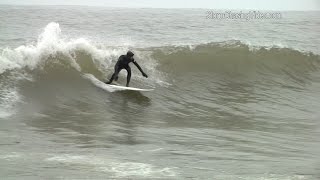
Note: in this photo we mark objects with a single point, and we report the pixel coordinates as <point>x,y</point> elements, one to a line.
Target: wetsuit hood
<point>130,54</point>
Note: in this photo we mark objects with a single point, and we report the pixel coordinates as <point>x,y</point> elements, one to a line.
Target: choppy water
<point>233,99</point>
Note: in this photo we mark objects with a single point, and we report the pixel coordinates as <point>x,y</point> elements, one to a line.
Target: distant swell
<point>236,60</point>
<point>235,54</point>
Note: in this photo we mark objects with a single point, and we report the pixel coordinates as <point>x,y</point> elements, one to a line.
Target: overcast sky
<point>214,4</point>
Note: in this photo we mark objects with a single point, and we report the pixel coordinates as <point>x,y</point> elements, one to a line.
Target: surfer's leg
<point>128,75</point>
<point>117,69</point>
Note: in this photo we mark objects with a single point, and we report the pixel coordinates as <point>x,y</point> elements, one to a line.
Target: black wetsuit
<point>123,63</point>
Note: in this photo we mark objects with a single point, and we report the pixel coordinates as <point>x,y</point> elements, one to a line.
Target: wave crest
<point>50,44</point>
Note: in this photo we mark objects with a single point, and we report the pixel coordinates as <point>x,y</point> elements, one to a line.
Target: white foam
<point>10,156</point>
<point>9,93</point>
<point>265,176</point>
<point>119,169</point>
<point>8,99</point>
<point>50,43</point>
<point>67,158</point>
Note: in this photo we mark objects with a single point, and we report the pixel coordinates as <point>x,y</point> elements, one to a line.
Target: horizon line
<point>104,6</point>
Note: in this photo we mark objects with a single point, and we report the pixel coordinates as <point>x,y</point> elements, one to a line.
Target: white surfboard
<point>111,87</point>
<point>128,88</point>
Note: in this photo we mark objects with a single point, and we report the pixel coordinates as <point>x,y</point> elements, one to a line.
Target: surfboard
<point>128,88</point>
<point>111,87</point>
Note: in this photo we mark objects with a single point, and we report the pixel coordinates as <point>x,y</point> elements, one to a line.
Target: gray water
<point>232,99</point>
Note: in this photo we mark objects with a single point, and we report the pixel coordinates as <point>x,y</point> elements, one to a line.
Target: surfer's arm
<point>144,74</point>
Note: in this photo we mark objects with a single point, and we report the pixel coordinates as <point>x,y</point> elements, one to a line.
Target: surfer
<point>123,63</point>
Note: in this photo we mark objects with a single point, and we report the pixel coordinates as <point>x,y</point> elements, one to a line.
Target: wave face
<point>233,59</point>
<point>223,96</point>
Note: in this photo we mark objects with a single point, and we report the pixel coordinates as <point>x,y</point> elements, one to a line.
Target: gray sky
<point>214,4</point>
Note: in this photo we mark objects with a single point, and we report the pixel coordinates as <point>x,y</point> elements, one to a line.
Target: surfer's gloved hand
<point>144,75</point>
